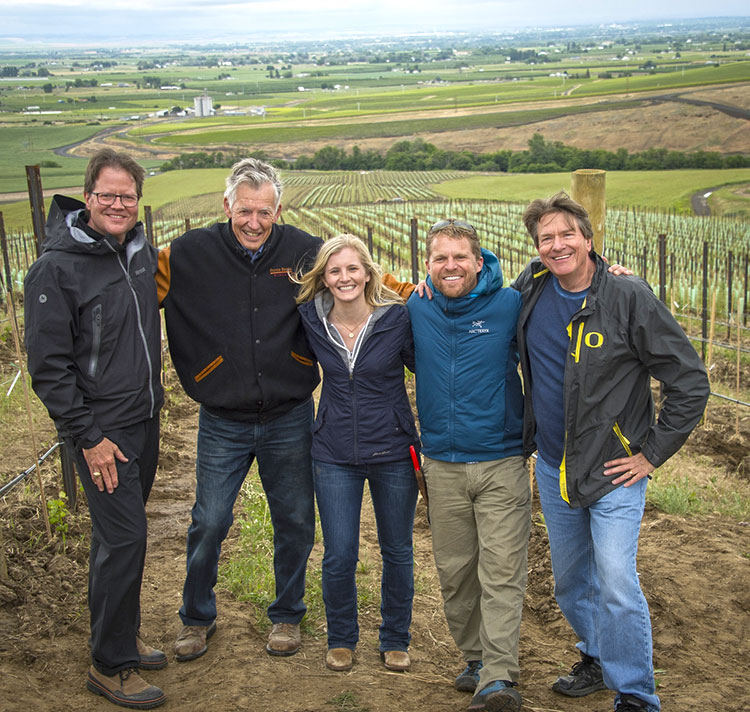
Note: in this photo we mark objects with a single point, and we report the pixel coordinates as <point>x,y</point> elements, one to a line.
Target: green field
<point>177,192</point>
<point>666,190</point>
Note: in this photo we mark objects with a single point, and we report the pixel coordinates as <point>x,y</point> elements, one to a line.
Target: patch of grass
<point>731,201</point>
<point>686,487</point>
<point>347,702</point>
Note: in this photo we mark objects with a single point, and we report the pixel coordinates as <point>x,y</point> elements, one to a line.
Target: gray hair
<point>254,173</point>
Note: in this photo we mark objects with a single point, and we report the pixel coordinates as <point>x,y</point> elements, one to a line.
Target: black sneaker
<point>584,678</point>
<point>631,703</point>
<point>468,680</point>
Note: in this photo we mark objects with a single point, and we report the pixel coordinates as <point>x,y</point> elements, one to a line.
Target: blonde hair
<point>376,293</point>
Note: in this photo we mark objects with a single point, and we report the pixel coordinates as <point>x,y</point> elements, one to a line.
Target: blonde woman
<point>360,333</point>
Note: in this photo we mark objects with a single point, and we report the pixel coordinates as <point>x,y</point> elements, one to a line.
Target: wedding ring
<point>96,474</point>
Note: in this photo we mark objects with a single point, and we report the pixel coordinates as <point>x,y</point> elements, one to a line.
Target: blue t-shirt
<point>548,342</point>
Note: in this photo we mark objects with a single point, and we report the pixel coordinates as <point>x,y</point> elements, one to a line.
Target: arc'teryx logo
<point>477,327</point>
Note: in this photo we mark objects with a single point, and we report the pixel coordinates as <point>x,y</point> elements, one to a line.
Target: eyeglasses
<point>128,201</point>
<point>462,224</point>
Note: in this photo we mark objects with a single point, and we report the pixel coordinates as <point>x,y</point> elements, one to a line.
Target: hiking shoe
<point>397,660</point>
<point>339,659</point>
<point>498,696</point>
<point>631,703</point>
<point>284,639</point>
<point>468,680</point>
<point>125,688</point>
<point>149,658</point>
<point>584,678</point>
<point>191,641</point>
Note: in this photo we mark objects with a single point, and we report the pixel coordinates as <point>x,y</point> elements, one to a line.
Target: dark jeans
<point>338,489</point>
<point>226,450</point>
<point>118,546</point>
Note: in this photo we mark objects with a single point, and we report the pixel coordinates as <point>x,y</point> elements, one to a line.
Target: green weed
<point>347,702</point>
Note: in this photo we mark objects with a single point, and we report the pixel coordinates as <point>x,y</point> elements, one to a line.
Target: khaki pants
<point>480,515</point>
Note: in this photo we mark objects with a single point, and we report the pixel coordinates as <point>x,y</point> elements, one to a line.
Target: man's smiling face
<point>452,265</point>
<point>116,219</point>
<point>253,213</point>
<point>564,250</point>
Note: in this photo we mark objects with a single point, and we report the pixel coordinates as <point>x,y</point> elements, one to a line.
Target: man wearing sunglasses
<point>470,410</point>
<point>94,351</point>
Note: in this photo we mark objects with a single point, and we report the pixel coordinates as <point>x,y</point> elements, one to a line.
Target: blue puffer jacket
<point>363,417</point>
<point>468,388</point>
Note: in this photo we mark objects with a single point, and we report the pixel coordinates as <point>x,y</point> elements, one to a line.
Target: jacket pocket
<point>623,440</point>
<point>406,421</point>
<point>319,420</point>
<point>208,369</point>
<point>302,359</point>
<point>96,339</point>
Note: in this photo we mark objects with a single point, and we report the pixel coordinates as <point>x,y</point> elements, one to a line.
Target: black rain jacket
<point>92,328</point>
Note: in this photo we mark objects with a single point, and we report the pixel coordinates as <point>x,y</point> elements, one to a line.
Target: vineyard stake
<point>739,345</point>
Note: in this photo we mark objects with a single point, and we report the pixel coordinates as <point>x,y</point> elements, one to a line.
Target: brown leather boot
<point>125,688</point>
<point>339,659</point>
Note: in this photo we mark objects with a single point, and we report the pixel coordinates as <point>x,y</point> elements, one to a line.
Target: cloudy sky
<point>79,21</point>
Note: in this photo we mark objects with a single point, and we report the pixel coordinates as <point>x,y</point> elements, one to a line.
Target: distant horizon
<point>73,24</point>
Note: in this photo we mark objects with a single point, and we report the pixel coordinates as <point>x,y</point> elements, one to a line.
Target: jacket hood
<point>63,233</point>
<point>489,280</point>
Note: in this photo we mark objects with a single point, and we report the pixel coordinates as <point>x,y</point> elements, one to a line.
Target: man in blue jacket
<point>470,409</point>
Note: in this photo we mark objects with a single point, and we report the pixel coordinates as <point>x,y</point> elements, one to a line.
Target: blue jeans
<point>226,450</point>
<point>593,552</point>
<point>338,490</point>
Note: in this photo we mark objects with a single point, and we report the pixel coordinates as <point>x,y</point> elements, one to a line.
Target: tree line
<point>541,157</point>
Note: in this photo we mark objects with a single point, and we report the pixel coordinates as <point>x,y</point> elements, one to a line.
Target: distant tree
<point>47,88</point>
<point>9,72</point>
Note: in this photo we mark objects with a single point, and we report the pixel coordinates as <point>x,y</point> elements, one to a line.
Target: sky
<point>77,22</point>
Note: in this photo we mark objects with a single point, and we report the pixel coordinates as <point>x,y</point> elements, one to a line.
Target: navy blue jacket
<point>468,388</point>
<point>363,417</point>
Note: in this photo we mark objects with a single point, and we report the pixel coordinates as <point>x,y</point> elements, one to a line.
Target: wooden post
<point>369,238</point>
<point>414,251</point>
<point>587,187</point>
<point>36,199</point>
<point>148,219</point>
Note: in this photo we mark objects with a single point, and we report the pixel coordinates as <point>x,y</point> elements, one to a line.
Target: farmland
<point>584,86</point>
<point>596,88</point>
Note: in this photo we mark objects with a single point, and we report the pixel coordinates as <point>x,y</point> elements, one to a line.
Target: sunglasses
<point>462,224</point>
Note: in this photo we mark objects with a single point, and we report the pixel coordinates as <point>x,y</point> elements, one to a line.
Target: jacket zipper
<point>96,339</point>
<point>142,333</point>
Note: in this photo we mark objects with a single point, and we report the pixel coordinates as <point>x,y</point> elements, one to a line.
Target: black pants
<point>118,546</point>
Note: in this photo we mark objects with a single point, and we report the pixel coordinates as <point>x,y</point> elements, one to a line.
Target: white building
<point>204,105</point>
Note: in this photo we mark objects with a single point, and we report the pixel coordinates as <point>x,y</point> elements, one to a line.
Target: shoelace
<point>127,672</point>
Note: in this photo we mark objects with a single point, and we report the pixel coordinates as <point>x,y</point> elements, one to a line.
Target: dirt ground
<point>695,572</point>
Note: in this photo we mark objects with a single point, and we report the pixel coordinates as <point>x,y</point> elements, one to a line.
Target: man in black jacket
<point>94,348</point>
<point>589,344</point>
<point>239,350</point>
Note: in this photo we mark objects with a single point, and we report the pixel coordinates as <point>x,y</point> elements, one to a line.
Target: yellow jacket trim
<point>625,442</point>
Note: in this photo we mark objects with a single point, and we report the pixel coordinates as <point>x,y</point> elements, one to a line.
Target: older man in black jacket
<point>238,347</point>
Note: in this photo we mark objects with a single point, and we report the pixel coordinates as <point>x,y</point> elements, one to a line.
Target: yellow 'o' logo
<point>594,339</point>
